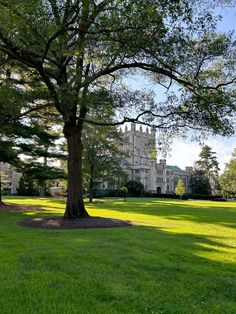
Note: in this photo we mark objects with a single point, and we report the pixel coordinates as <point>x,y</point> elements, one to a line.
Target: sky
<point>185,153</point>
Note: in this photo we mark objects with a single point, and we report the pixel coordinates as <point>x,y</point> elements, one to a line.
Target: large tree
<point>102,156</point>
<point>207,166</point>
<point>75,47</point>
<point>208,162</point>
<point>199,182</point>
<point>228,178</point>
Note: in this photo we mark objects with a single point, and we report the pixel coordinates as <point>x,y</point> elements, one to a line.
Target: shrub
<point>135,188</point>
<point>98,193</point>
<point>173,196</point>
<point>206,197</point>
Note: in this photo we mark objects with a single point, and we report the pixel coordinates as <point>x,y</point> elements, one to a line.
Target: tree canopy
<point>208,162</point>
<point>71,48</point>
<point>102,155</point>
<point>228,178</point>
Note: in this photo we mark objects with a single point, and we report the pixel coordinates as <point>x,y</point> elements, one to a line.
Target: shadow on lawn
<point>142,258</point>
<point>222,215</point>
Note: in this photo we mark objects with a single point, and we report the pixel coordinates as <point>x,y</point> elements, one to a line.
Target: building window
<point>110,185</point>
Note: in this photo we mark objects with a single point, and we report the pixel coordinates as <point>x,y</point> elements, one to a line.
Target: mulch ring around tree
<point>6,207</point>
<point>81,223</point>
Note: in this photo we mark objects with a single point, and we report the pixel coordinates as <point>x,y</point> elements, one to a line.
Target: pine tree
<point>209,165</point>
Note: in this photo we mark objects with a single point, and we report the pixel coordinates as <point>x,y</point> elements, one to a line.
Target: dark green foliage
<point>27,186</point>
<point>206,197</point>
<point>113,193</point>
<point>72,49</point>
<point>97,193</point>
<point>135,188</point>
<point>228,178</point>
<point>102,155</point>
<point>208,162</point>
<point>171,196</point>
<point>204,178</point>
<point>200,183</point>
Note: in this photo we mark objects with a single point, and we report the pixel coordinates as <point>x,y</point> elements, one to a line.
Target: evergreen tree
<point>27,186</point>
<point>209,166</point>
<point>199,182</point>
<point>208,162</point>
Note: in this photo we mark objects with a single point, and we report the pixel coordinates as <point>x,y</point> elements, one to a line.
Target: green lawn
<point>180,258</point>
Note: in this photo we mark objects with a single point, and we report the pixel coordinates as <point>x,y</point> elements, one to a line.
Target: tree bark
<point>75,204</point>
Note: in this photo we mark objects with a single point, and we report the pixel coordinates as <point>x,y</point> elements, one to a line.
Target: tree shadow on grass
<point>143,266</point>
<point>215,213</point>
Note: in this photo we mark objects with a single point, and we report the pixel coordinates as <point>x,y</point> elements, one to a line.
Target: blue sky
<point>185,153</point>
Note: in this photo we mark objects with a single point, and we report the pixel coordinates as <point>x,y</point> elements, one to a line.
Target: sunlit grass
<point>179,258</point>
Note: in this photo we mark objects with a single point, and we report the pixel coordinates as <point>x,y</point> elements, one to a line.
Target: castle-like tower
<point>140,163</point>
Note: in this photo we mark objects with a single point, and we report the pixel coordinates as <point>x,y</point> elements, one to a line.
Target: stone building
<point>10,178</point>
<point>141,162</point>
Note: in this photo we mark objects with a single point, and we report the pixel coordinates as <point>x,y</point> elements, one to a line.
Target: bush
<point>149,194</point>
<point>135,188</point>
<point>27,186</point>
<point>112,193</point>
<point>206,197</point>
<point>98,193</point>
<point>173,196</point>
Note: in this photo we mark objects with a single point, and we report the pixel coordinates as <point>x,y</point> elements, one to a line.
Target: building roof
<point>174,168</point>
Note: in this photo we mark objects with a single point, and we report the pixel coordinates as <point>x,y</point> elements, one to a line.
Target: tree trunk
<point>1,202</point>
<point>91,190</point>
<point>75,203</point>
<point>43,183</point>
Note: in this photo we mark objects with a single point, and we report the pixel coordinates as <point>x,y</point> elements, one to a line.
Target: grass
<point>180,258</point>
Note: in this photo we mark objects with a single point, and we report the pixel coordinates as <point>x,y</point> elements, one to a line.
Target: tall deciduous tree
<point>228,178</point>
<point>102,155</point>
<point>75,47</point>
